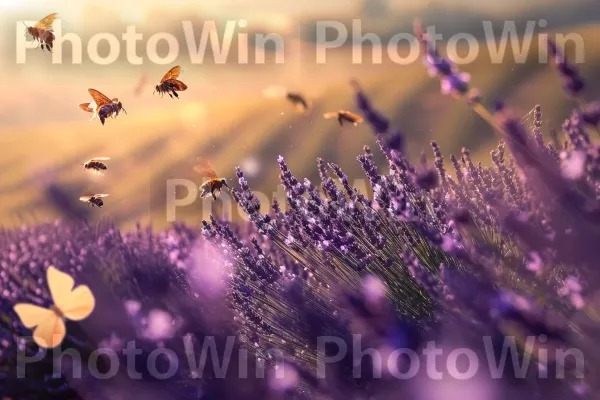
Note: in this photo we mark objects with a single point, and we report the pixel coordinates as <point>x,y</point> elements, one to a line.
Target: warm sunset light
<point>299,200</point>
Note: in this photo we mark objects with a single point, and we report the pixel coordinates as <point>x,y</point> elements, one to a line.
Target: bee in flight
<point>42,31</point>
<point>102,107</point>
<point>342,116</point>
<point>298,100</point>
<point>169,84</point>
<point>96,164</point>
<point>214,184</point>
<point>93,199</point>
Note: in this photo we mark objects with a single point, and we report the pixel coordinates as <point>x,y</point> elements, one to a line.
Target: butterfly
<point>70,303</point>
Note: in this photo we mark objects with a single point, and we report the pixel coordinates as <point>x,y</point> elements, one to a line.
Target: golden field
<point>223,116</point>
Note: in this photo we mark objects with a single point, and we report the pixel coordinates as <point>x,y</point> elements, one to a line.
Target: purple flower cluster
<point>450,253</point>
<point>151,289</point>
<point>486,251</point>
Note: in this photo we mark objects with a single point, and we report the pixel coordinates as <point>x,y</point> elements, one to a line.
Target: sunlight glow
<point>10,3</point>
<point>193,114</point>
<point>131,13</point>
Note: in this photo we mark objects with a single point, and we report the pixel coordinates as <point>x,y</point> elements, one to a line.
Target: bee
<point>214,184</point>
<point>102,107</point>
<point>94,200</point>
<point>42,31</point>
<point>169,83</point>
<point>342,116</point>
<point>298,100</point>
<point>96,164</point>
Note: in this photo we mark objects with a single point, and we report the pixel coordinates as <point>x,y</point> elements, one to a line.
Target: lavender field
<point>478,259</point>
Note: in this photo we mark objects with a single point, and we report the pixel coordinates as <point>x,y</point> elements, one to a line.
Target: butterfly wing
<point>86,107</point>
<point>60,285</point>
<point>75,304</point>
<point>50,330</point>
<point>32,315</point>
<point>46,22</point>
<point>178,85</point>
<point>78,304</point>
<point>172,74</point>
<point>99,98</point>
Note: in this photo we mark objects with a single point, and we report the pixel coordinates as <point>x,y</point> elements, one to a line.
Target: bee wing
<point>356,119</point>
<point>275,92</point>
<point>206,172</point>
<point>86,107</point>
<point>99,98</point>
<point>46,22</point>
<point>180,86</point>
<point>85,199</point>
<point>172,74</point>
<point>100,159</point>
<point>330,115</point>
<point>100,195</point>
<point>205,166</point>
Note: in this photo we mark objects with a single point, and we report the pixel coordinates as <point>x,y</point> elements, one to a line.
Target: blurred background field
<point>223,116</point>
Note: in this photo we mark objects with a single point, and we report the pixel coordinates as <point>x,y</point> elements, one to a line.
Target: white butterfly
<point>70,303</point>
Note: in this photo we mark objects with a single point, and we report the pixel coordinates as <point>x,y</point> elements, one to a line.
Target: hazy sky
<point>266,6</point>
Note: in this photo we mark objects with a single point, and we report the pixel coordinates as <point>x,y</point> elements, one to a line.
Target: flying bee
<point>169,83</point>
<point>42,31</point>
<point>298,100</point>
<point>102,107</point>
<point>94,200</point>
<point>96,164</point>
<point>214,184</point>
<point>342,116</point>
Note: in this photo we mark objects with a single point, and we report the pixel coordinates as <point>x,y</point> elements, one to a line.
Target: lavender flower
<point>573,83</point>
<point>505,249</point>
<point>452,81</point>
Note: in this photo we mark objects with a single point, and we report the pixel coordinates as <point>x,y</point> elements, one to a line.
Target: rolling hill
<point>223,117</point>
